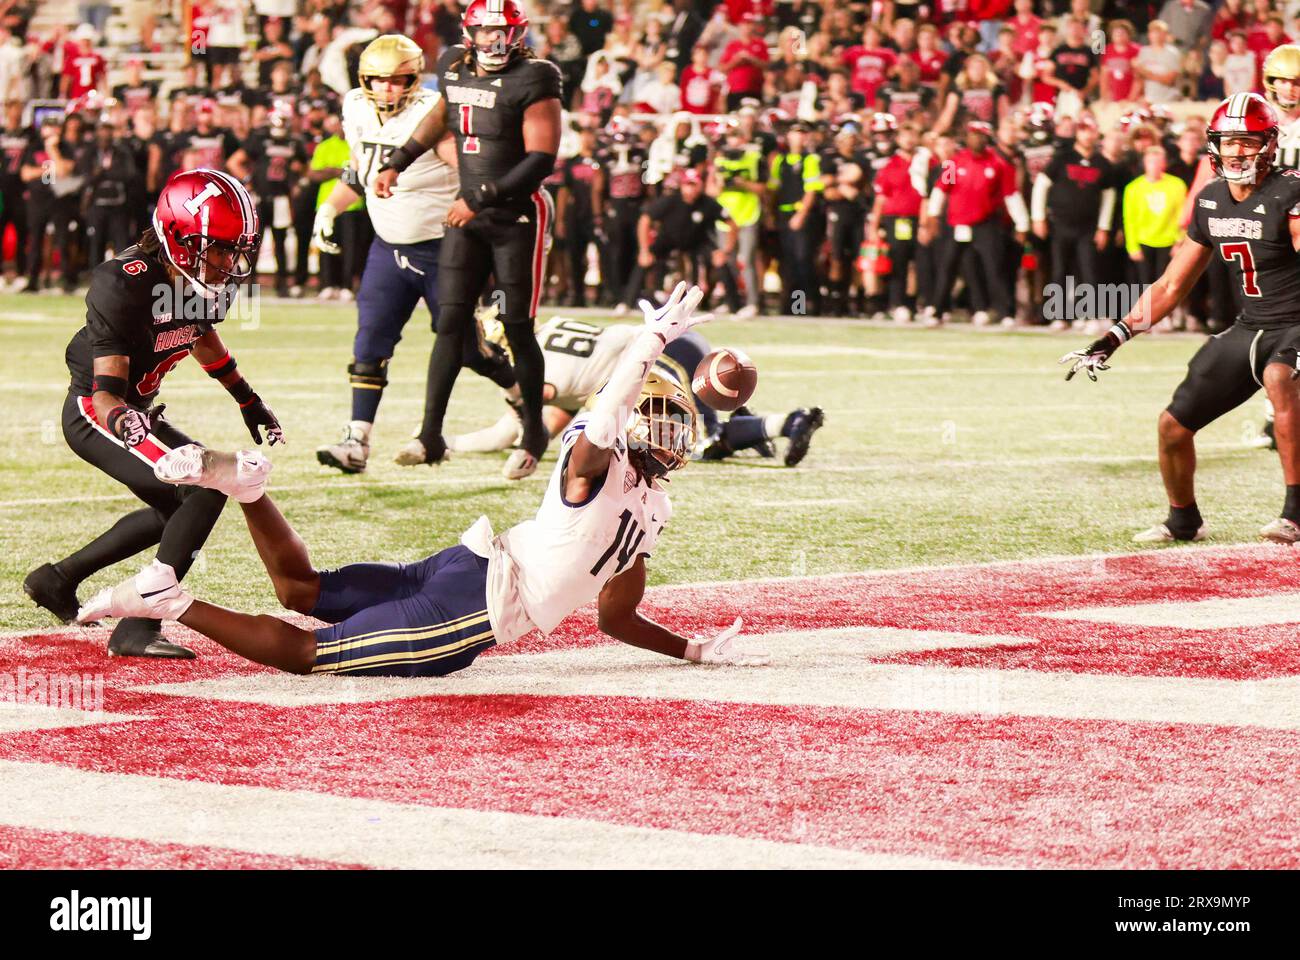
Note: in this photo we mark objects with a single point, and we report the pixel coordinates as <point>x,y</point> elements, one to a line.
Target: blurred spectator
<point>1153,206</point>
<point>928,55</point>
<point>701,84</point>
<point>135,93</point>
<point>1240,67</point>
<point>1188,21</point>
<point>1024,26</point>
<point>743,61</point>
<point>563,48</point>
<point>1076,71</point>
<point>46,168</point>
<point>14,141</point>
<point>340,271</point>
<point>1118,81</point>
<point>107,168</point>
<point>896,215</point>
<point>95,14</point>
<point>1210,84</point>
<point>15,64</point>
<point>906,97</point>
<point>84,70</point>
<point>226,37</point>
<point>591,24</point>
<point>682,32</point>
<point>1158,65</point>
<point>1230,15</point>
<point>272,47</point>
<point>794,182</point>
<point>869,64</point>
<point>977,96</point>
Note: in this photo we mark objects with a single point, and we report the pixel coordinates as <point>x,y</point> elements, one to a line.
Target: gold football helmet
<point>662,432</point>
<point>1282,64</point>
<point>395,58</point>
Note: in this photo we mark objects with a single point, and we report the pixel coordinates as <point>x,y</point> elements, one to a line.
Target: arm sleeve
<point>1038,200</point>
<point>614,403</point>
<point>107,315</point>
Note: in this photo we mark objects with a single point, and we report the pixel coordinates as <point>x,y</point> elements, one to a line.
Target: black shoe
<point>52,591</point>
<point>137,637</point>
<point>717,448</point>
<point>763,447</point>
<point>806,423</point>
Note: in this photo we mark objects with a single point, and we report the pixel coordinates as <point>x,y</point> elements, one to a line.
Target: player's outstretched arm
<point>108,396</point>
<point>1188,263</point>
<point>591,452</point>
<point>619,618</point>
<point>216,361</point>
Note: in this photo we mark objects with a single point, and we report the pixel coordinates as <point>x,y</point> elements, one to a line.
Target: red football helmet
<point>885,124</point>
<point>494,30</point>
<point>208,228</point>
<point>1243,116</point>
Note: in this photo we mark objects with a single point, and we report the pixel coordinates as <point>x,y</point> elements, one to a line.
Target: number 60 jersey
<point>1254,237</point>
<point>543,569</point>
<point>426,189</point>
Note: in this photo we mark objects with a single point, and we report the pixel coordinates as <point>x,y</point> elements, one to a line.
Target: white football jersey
<point>580,357</point>
<point>1288,144</point>
<point>426,189</point>
<point>543,569</point>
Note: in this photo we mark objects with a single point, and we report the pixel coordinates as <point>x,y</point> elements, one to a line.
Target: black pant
<point>981,262</point>
<point>14,211</point>
<point>106,227</point>
<point>40,214</point>
<point>800,286</point>
<point>901,254</point>
<point>579,232</point>
<point>304,217</point>
<point>353,233</point>
<point>1153,263</point>
<point>279,237</point>
<point>1074,254</point>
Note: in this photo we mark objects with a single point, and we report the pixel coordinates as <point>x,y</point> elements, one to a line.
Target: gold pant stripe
<point>396,632</point>
<point>406,656</point>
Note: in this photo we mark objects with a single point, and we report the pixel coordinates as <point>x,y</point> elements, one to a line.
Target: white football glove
<point>726,648</point>
<point>677,315</point>
<point>322,230</point>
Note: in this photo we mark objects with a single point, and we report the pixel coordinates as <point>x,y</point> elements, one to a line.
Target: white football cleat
<point>747,312</point>
<point>413,454</point>
<point>1162,534</point>
<point>240,476</point>
<point>349,454</point>
<point>1281,530</point>
<point>520,464</point>
<point>153,593</point>
<point>902,315</point>
<point>980,318</point>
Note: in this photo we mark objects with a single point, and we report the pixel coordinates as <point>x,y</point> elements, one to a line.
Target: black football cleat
<point>52,591</point>
<point>763,447</point>
<point>805,424</point>
<point>137,637</point>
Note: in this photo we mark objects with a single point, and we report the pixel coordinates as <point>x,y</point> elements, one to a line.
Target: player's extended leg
<point>1284,395</point>
<point>1220,377</point>
<point>464,262</point>
<point>390,288</point>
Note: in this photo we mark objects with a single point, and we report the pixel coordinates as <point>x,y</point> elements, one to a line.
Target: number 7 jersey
<point>549,566</point>
<point>1254,237</point>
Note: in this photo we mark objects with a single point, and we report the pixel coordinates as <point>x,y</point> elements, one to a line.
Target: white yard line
<point>295,823</point>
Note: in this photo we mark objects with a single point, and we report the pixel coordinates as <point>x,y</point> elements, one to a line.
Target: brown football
<point>725,379</point>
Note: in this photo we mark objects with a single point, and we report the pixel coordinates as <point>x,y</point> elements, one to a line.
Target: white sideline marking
<point>24,717</point>
<point>294,823</point>
<point>1194,614</point>
<point>284,690</point>
<point>828,669</point>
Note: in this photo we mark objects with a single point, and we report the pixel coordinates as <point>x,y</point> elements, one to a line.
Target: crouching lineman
<point>402,266</point>
<point>1260,240</point>
<point>602,515</point>
<point>582,356</point>
<point>149,308</point>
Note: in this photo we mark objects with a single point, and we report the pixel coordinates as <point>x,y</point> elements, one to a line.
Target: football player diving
<point>409,220</point>
<point>581,356</point>
<point>150,307</point>
<point>601,516</point>
<point>1249,216</point>
<point>503,106</point>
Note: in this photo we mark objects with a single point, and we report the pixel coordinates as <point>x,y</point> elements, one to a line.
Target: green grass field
<point>940,447</point>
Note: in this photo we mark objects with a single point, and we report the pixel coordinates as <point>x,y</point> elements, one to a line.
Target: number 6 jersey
<point>1254,236</point>
<point>426,189</point>
<point>543,569</point>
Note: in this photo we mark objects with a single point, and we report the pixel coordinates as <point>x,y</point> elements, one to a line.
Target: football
<point>725,379</point>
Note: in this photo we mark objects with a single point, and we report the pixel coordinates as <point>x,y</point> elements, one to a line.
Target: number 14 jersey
<point>549,566</point>
<point>1254,237</point>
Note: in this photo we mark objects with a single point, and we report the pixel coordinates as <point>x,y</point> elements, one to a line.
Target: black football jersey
<point>131,311</point>
<point>487,114</point>
<point>625,170</point>
<point>1254,237</point>
<point>272,159</point>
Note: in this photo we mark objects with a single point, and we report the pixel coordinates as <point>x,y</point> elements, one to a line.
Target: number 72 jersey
<point>1254,237</point>
<point>426,189</point>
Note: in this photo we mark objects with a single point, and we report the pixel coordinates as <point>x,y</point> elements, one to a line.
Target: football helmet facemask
<point>1243,116</point>
<point>397,60</point>
<point>662,431</point>
<point>494,30</point>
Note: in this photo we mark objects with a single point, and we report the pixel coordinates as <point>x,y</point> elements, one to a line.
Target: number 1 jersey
<point>1254,236</point>
<point>547,567</point>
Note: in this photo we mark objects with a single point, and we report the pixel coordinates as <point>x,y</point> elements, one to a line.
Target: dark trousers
<point>578,233</point>
<point>353,233</point>
<point>304,216</point>
<point>106,227</point>
<point>40,214</point>
<point>801,289</point>
<point>1153,263</point>
<point>279,237</point>
<point>981,262</point>
<point>901,255</point>
<point>14,211</point>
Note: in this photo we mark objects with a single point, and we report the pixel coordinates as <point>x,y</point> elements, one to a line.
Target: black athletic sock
<point>188,528</point>
<point>1183,522</point>
<point>135,532</point>
<point>365,403</point>
<point>444,367</point>
<point>530,369</point>
<point>1291,509</point>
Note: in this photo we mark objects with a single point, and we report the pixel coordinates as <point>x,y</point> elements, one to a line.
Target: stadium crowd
<point>800,157</point>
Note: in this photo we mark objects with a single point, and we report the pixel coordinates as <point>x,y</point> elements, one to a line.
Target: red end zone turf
<point>915,717</point>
